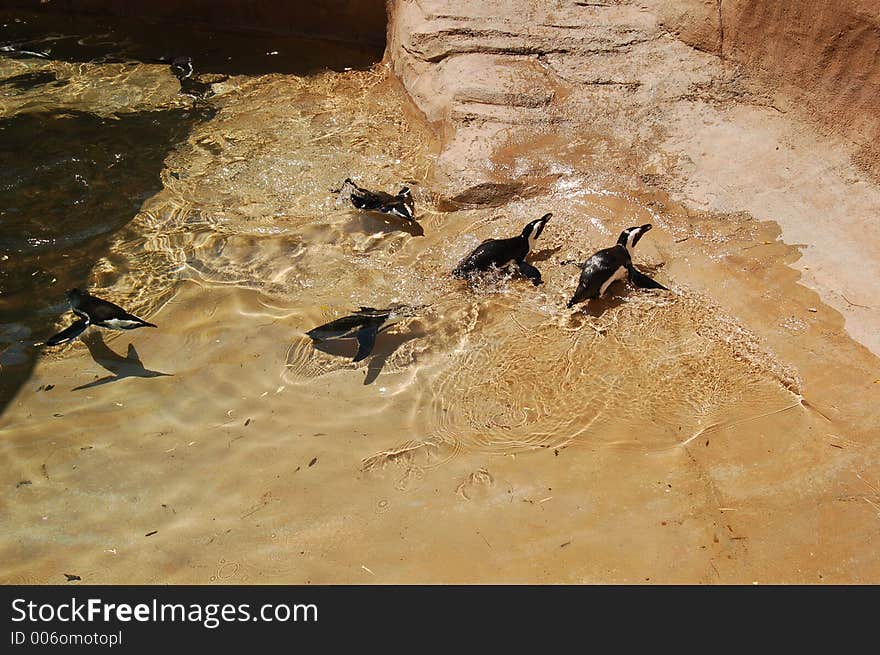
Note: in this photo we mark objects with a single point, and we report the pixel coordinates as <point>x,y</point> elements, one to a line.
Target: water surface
<point>479,437</point>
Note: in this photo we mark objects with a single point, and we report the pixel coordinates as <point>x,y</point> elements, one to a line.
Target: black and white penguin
<point>363,325</point>
<point>190,84</point>
<point>401,205</point>
<point>611,264</point>
<point>182,67</point>
<point>17,52</point>
<point>94,311</point>
<point>503,252</point>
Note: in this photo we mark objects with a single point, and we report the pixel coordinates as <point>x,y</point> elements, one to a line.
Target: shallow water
<point>254,455</point>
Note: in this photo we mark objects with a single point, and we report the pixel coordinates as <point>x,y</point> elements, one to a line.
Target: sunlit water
<point>215,220</point>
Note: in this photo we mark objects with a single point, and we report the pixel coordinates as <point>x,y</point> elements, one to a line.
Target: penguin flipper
<point>69,333</point>
<point>580,295</point>
<point>366,338</point>
<point>530,272</point>
<point>642,281</point>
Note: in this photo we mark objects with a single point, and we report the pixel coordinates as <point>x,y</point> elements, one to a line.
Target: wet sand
<point>722,432</point>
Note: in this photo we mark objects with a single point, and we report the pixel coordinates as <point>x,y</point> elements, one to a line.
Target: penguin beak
<point>646,227</point>
<point>540,223</point>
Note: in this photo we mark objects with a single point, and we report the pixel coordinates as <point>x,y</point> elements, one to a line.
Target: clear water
<point>225,446</point>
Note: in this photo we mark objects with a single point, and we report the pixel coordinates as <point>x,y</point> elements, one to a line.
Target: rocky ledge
<point>730,106</point>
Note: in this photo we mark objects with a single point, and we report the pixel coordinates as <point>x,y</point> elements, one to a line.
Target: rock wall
<point>822,57</point>
<point>818,59</point>
<point>480,71</point>
<point>765,108</point>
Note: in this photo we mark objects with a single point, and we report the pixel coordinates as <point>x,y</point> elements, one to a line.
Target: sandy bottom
<point>721,432</point>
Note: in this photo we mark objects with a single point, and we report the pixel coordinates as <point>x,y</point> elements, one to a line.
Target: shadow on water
<point>102,39</point>
<point>387,344</point>
<point>69,182</point>
<point>28,81</point>
<point>378,223</point>
<point>121,367</point>
<point>544,254</point>
<point>385,348</point>
<point>595,307</point>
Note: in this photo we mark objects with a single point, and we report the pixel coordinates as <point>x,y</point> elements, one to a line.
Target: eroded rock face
<point>475,69</point>
<point>729,105</point>
<point>823,57</point>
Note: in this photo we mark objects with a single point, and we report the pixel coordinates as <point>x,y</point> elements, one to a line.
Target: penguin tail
<point>145,324</point>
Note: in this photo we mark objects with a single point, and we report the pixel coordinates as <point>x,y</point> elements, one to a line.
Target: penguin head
<point>533,230</point>
<point>348,187</point>
<point>74,296</point>
<point>182,67</point>
<point>631,235</point>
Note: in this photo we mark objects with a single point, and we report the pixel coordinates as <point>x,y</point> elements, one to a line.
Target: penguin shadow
<point>379,223</point>
<point>595,307</point>
<point>543,255</point>
<point>121,367</point>
<point>387,344</point>
<point>28,81</point>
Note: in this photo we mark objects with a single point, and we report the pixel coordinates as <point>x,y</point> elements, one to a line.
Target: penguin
<point>363,325</point>
<point>94,311</point>
<point>401,205</point>
<point>18,53</point>
<point>611,264</point>
<point>503,252</point>
<point>190,85</point>
<point>182,67</point>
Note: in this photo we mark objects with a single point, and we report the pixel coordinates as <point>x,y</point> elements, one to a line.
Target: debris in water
<point>150,534</point>
<point>70,577</point>
<point>312,463</point>
<point>23,483</point>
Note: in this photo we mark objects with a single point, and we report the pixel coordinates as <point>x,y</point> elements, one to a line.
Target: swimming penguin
<point>18,53</point>
<point>502,252</point>
<point>190,85</point>
<point>363,325</point>
<point>401,205</point>
<point>182,67</point>
<point>611,264</point>
<point>94,311</point>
